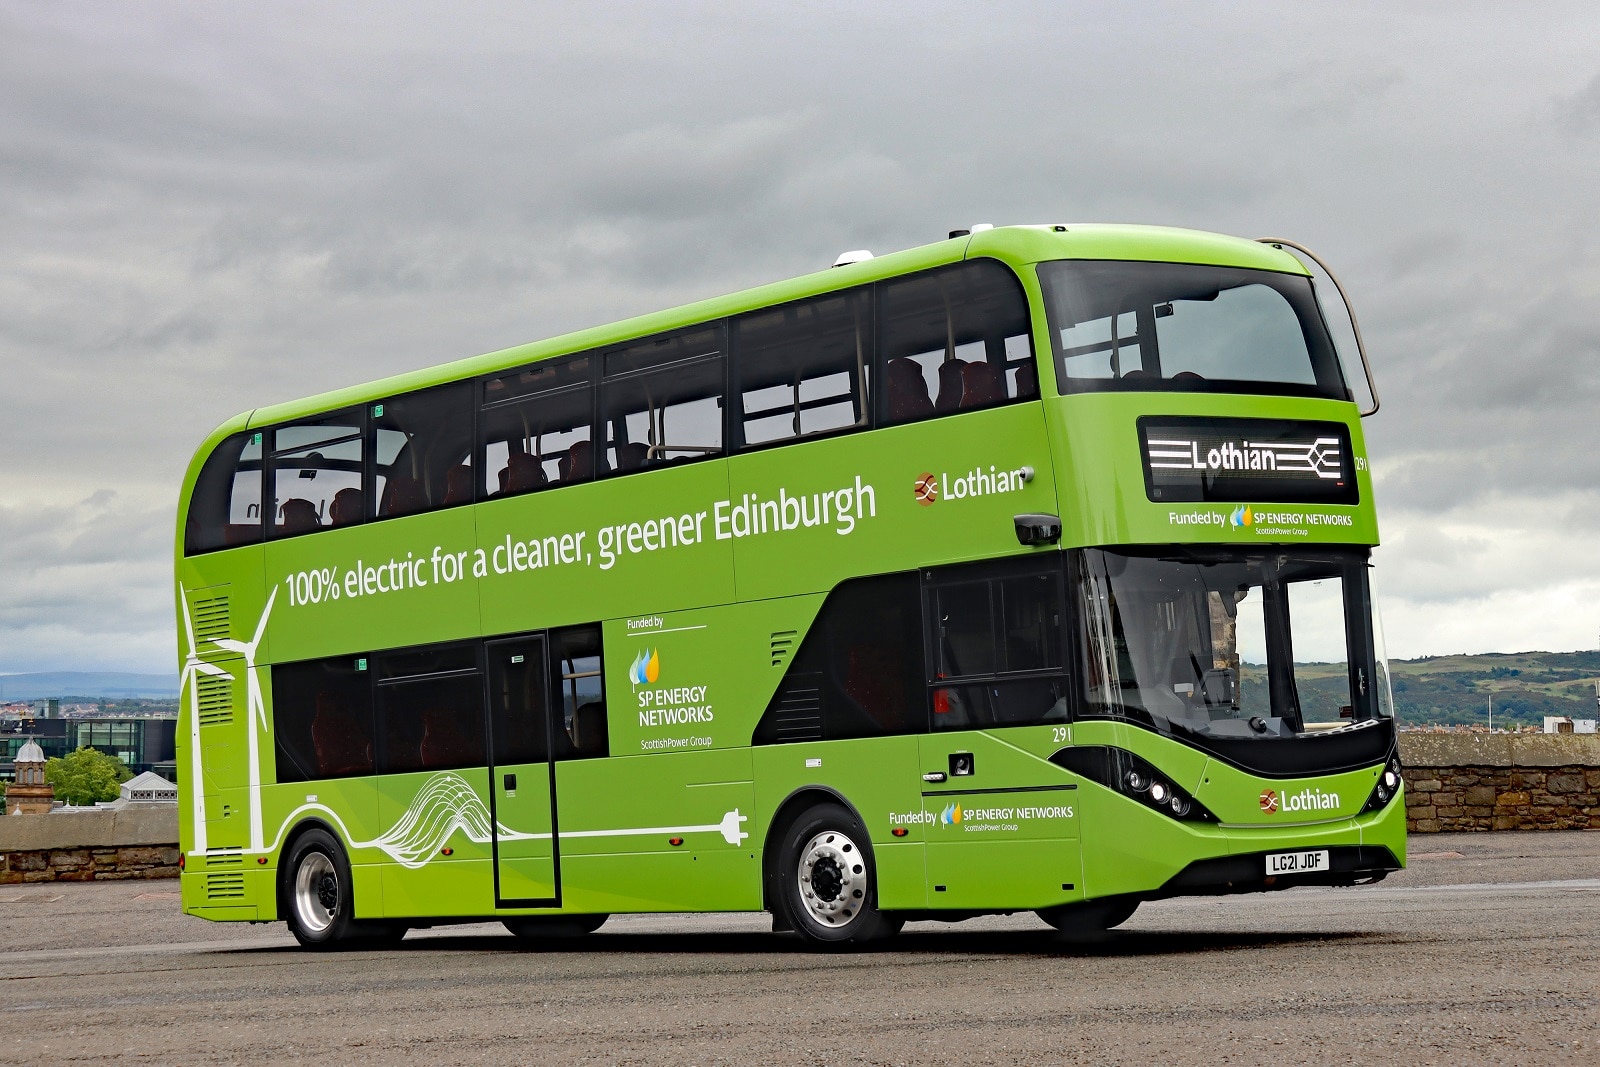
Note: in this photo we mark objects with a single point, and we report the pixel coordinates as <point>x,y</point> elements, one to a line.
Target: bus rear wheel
<point>317,900</point>
<point>1090,917</point>
<point>826,882</point>
<point>536,927</point>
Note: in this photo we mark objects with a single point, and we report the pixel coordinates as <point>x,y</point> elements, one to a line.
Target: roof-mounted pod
<point>860,255</point>
<point>1355,327</point>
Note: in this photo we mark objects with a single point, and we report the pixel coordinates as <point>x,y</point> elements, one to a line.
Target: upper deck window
<point>804,368</point>
<point>225,509</point>
<point>953,340</point>
<point>422,451</point>
<point>317,474</point>
<point>661,400</point>
<point>537,427</point>
<point>1177,326</point>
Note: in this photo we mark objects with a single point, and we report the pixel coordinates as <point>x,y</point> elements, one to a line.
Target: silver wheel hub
<point>832,878</point>
<point>316,892</point>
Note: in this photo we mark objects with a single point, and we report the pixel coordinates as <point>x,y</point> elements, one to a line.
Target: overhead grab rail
<point>1349,310</point>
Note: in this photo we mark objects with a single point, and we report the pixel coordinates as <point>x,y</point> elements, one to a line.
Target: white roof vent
<point>979,227</point>
<point>860,255</point>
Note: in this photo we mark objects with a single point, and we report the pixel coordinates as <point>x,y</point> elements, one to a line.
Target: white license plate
<point>1297,862</point>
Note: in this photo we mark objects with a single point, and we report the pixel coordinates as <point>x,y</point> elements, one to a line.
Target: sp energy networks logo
<point>951,816</point>
<point>1242,516</point>
<point>1308,799</point>
<point>646,667</point>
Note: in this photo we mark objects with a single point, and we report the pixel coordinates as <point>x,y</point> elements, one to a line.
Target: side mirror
<point>1037,529</point>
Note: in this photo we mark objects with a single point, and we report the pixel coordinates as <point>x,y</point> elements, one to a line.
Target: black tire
<point>316,896</point>
<point>538,927</point>
<point>826,880</point>
<point>1090,918</point>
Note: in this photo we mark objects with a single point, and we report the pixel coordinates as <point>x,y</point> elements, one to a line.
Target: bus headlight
<point>1159,792</point>
<point>1387,787</point>
<point>1136,782</point>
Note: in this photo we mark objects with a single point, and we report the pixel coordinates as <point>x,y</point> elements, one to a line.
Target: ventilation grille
<point>228,885</point>
<point>210,615</point>
<point>232,856</point>
<point>782,645</point>
<point>216,700</point>
<point>798,715</point>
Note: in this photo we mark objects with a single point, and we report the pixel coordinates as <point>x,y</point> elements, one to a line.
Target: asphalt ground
<point>1487,950</point>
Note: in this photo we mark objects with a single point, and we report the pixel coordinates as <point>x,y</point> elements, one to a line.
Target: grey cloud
<point>214,209</point>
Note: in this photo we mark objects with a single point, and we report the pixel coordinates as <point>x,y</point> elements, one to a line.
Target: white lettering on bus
<point>839,508</point>
<point>649,536</point>
<point>978,482</point>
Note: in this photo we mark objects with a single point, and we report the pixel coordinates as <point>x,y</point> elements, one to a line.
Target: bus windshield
<point>1185,327</point>
<point>1218,643</point>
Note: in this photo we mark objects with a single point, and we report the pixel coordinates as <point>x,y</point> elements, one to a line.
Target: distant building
<point>1566,724</point>
<point>148,788</point>
<point>141,744</point>
<point>29,794</point>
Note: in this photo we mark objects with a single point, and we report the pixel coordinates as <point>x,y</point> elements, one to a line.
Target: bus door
<point>1005,832</point>
<point>527,862</point>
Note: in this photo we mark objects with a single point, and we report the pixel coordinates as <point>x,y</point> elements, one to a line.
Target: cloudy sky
<point>205,208</point>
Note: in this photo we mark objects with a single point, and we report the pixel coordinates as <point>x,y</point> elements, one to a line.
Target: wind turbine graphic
<point>256,712</point>
<point>193,666</point>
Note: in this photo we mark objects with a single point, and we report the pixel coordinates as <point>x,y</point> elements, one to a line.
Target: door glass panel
<point>516,704</point>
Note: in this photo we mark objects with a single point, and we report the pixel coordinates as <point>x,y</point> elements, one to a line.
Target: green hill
<point>1455,690</point>
<point>1526,687</point>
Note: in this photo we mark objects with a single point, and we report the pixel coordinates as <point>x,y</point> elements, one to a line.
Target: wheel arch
<point>787,811</point>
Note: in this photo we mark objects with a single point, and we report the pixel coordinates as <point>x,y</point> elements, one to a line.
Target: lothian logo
<point>927,488</point>
<point>1269,801</point>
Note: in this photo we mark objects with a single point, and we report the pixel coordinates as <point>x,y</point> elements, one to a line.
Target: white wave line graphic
<point>446,803</point>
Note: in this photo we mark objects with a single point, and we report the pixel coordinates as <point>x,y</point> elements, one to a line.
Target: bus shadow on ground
<point>1117,943</point>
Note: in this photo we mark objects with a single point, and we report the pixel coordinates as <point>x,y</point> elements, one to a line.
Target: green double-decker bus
<point>1023,571</point>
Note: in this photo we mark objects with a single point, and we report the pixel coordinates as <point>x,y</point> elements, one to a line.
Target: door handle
<point>933,776</point>
<point>511,783</point>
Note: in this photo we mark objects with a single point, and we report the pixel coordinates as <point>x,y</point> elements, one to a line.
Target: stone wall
<point>139,841</point>
<point>1483,781</point>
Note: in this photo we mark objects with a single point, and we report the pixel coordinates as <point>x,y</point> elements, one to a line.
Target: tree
<point>86,776</point>
<point>2,798</point>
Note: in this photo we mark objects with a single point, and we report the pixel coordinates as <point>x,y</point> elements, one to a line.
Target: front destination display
<point>1023,571</point>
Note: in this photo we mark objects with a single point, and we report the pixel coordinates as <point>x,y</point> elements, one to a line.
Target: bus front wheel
<point>316,891</point>
<point>827,885</point>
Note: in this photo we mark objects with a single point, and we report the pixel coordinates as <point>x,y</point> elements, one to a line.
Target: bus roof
<point>1017,246</point>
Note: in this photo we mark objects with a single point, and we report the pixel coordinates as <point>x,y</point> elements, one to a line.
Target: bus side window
<point>537,427</point>
<point>804,368</point>
<point>996,640</point>
<point>422,451</point>
<point>429,709</point>
<point>859,670</point>
<point>661,400</point>
<point>316,472</point>
<point>322,719</point>
<point>954,339</point>
<point>577,671</point>
<point>225,509</point>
